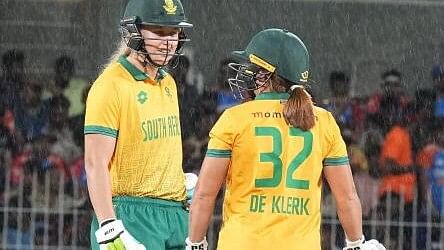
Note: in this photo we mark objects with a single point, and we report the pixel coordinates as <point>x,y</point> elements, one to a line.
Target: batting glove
<point>190,184</point>
<point>113,236</point>
<point>362,244</point>
<point>203,245</point>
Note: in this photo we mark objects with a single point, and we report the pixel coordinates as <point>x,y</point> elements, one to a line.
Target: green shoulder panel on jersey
<point>218,153</point>
<point>90,129</point>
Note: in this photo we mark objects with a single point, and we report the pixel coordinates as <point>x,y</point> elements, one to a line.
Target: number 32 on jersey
<point>274,158</point>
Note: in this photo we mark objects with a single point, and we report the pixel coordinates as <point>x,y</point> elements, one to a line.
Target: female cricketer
<point>133,150</point>
<point>272,153</point>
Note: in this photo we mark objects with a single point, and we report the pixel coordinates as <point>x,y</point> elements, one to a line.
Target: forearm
<point>200,216</point>
<point>98,152</point>
<point>99,187</point>
<point>350,216</point>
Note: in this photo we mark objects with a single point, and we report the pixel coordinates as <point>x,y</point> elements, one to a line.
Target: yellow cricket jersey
<point>273,192</point>
<point>143,115</point>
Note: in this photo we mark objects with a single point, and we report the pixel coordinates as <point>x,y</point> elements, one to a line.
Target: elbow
<point>92,165</point>
<point>202,201</point>
<point>203,197</point>
<point>89,164</point>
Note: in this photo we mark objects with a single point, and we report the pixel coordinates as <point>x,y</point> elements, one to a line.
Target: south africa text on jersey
<point>279,204</point>
<point>161,127</point>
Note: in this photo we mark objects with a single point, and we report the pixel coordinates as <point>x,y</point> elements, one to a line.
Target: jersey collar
<point>272,96</point>
<point>136,73</point>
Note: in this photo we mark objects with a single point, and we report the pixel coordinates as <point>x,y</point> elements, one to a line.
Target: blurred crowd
<point>41,155</point>
<point>395,142</point>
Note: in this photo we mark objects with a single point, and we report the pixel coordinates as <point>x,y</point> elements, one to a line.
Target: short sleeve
<point>222,137</point>
<point>102,110</point>
<point>336,149</point>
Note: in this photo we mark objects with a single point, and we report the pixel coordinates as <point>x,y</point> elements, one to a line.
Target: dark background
<point>361,37</point>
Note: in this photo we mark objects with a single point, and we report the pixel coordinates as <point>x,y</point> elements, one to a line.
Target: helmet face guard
<point>134,40</point>
<point>160,13</point>
<point>249,77</point>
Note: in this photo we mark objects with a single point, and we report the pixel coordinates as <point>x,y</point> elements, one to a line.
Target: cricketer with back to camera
<point>272,152</point>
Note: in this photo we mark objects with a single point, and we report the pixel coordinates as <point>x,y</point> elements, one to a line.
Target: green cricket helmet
<point>157,12</point>
<point>270,51</point>
<point>163,13</point>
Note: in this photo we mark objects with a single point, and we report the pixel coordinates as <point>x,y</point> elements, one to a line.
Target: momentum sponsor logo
<point>267,115</point>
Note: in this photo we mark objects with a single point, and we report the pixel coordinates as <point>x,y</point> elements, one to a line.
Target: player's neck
<point>137,61</point>
<point>151,71</point>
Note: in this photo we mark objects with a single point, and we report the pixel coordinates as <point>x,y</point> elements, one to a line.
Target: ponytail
<point>298,110</point>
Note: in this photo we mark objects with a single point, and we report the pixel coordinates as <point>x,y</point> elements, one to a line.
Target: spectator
<point>65,84</point>
<point>13,78</point>
<point>425,160</point>
<point>76,122</point>
<point>438,84</point>
<point>371,141</point>
<point>398,182</point>
<point>31,114</point>
<point>436,174</point>
<point>393,94</point>
<point>339,103</point>
<point>424,120</point>
<point>346,110</point>
<point>64,145</point>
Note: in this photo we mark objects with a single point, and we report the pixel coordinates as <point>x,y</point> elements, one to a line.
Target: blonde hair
<point>298,110</point>
<point>122,49</point>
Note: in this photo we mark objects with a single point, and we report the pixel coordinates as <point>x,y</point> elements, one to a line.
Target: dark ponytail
<point>298,110</point>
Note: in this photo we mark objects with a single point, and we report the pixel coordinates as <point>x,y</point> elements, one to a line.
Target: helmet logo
<point>261,63</point>
<point>170,7</point>
<point>304,76</point>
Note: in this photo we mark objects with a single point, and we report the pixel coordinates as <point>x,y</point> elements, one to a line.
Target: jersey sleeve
<point>222,137</point>
<point>102,110</point>
<point>336,150</point>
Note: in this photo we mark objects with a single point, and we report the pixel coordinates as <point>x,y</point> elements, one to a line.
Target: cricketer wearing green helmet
<point>289,59</point>
<point>133,147</point>
<point>140,14</point>
<point>272,154</point>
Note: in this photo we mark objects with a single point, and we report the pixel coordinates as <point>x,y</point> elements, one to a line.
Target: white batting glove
<point>362,244</point>
<point>203,245</point>
<point>113,236</point>
<point>190,184</point>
